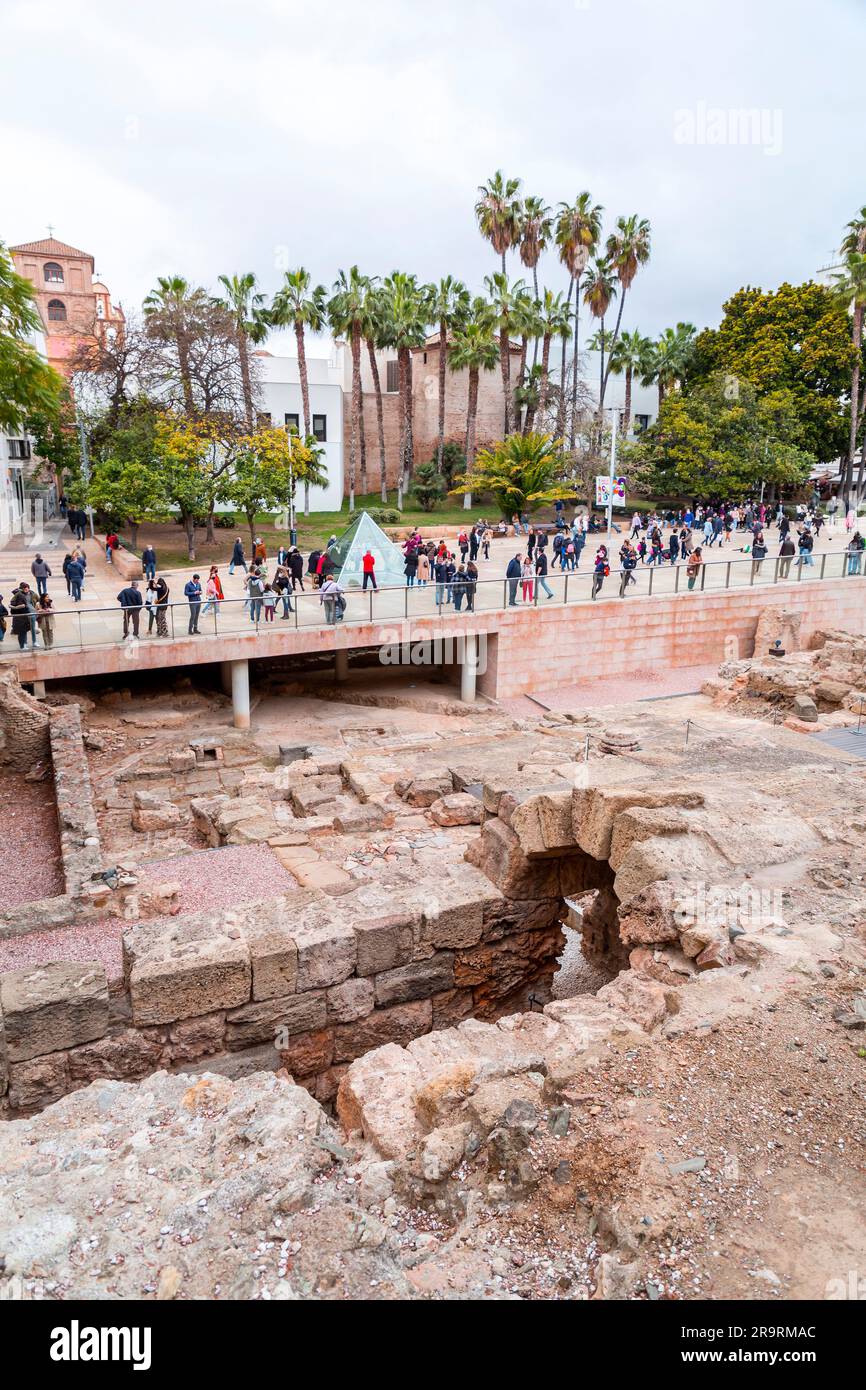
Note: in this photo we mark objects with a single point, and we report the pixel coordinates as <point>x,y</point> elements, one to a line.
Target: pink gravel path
<point>91,940</point>
<point>223,877</point>
<point>30,864</point>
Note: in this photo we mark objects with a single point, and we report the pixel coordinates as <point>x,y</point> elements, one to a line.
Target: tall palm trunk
<point>305,397</point>
<point>380,418</point>
<point>246,383</point>
<point>661,394</point>
<point>503,263</point>
<point>627,421</point>
<point>535,292</point>
<point>573,427</point>
<point>857,340</point>
<point>545,373</point>
<point>356,414</point>
<point>560,415</point>
<point>404,358</point>
<point>443,354</point>
<point>610,350</point>
<point>471,416</point>
<point>505,368</point>
<point>521,375</point>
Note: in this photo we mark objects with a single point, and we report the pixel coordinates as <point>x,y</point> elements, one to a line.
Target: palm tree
<point>555,323</point>
<point>521,471</point>
<point>449,307</point>
<point>346,314</point>
<point>627,248</point>
<point>473,349</point>
<point>497,212</point>
<point>408,315</point>
<point>536,228</point>
<point>600,290</point>
<point>670,359</point>
<point>506,300</point>
<point>376,336</point>
<point>245,305</point>
<point>169,308</point>
<point>850,286</point>
<point>630,354</point>
<point>296,304</point>
<point>578,229</point>
<point>528,323</point>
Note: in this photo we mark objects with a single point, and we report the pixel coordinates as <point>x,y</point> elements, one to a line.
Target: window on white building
<point>320,428</point>
<point>293,422</point>
<point>641,422</point>
<point>392,375</point>
<point>19,448</point>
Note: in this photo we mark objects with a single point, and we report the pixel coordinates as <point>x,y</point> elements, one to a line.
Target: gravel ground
<point>223,877</point>
<point>99,941</point>
<point>30,864</point>
<point>576,975</point>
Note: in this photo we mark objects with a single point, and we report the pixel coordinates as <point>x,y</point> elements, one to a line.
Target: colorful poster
<point>603,494</point>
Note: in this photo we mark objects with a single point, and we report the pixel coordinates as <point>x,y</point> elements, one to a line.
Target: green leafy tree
<point>796,338</point>
<point>717,444</point>
<point>453,461</point>
<point>129,492</point>
<point>521,472</point>
<point>428,486</point>
<point>266,468</point>
<point>28,386</point>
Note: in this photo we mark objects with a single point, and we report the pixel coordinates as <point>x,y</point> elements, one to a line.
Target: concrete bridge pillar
<point>240,677</point>
<point>39,690</point>
<point>341,664</point>
<point>469,668</point>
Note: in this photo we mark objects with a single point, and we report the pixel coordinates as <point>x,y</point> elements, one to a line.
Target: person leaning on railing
<point>855,549</point>
<point>693,567</point>
<point>331,597</point>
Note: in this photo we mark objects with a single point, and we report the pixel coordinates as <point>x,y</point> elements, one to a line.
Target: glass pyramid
<point>348,552</point>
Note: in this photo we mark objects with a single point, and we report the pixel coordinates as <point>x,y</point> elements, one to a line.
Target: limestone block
<point>503,861</point>
<point>639,998</point>
<point>50,1008</point>
<point>544,822</point>
<point>327,950</point>
<point>272,948</point>
<point>385,942</point>
<point>38,1082</point>
<point>459,808</point>
<point>153,812</point>
<point>417,980</point>
<point>398,1025</point>
<point>359,820</point>
<point>259,1023</point>
<point>805,709</point>
<point>308,1053</point>
<point>195,965</point>
<point>122,1057</point>
<point>351,1000</point>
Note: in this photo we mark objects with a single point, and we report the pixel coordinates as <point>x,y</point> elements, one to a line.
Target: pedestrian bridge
<point>532,640</point>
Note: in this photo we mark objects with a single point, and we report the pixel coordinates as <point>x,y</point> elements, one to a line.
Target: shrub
<point>385,516</point>
<point>428,486</point>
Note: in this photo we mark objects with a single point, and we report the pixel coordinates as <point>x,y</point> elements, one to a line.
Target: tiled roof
<point>51,247</point>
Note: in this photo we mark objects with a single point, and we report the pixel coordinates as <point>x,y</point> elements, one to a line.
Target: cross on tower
<point>50,229</point>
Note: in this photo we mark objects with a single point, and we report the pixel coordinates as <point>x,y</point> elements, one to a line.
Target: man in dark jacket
<point>75,579</point>
<point>148,560</point>
<point>786,552</point>
<point>238,559</point>
<point>41,571</point>
<point>512,574</point>
<point>192,594</point>
<point>130,602</point>
<point>541,573</point>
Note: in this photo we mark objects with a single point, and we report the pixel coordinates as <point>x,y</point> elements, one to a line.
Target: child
<point>269,599</point>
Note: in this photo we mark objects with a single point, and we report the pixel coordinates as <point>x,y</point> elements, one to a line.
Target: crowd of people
<point>449,570</point>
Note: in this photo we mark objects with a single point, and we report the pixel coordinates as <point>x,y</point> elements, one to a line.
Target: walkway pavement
<point>97,622</point>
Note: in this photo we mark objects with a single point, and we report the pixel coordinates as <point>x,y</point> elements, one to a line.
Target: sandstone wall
<point>23,726</point>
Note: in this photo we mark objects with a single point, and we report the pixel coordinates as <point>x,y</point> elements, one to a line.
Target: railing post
<point>649,592</point>
<point>565,590</point>
<point>371,605</point>
<point>703,576</point>
<point>728,576</point>
<point>823,563</point>
<point>405,600</point>
<point>800,567</point>
<point>676,579</point>
<point>171,608</point>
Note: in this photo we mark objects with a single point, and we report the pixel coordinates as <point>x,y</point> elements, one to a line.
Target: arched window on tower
<point>57,310</point>
<point>53,273</point>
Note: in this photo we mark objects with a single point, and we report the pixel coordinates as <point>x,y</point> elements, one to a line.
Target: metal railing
<point>84,627</point>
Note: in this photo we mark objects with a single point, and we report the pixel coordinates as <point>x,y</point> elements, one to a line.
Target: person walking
<point>45,619</point>
<point>67,561</point>
<point>161,607</point>
<point>75,577</point>
<point>239,559</point>
<point>440,574</point>
<point>130,601</point>
<point>4,619</point>
<point>673,547</point>
<point>527,582</point>
<point>331,597</point>
<point>627,563</point>
<point>806,542</point>
<point>486,538</point>
<point>759,554</point>
<point>283,586</point>
<point>471,584</point>
<point>600,570</point>
<point>213,592</point>
<point>693,566</point>
<point>410,569</point>
<point>150,604</point>
<point>260,553</point>
<point>192,594</point>
<point>296,568</point>
<point>41,571</point>
<point>541,573</point>
<point>513,575</point>
<point>473,543</point>
<point>458,588</point>
<point>80,524</point>
<point>368,565</point>
<point>786,552</point>
<point>855,549</point>
<point>254,585</point>
<point>21,611</point>
<point>148,560</point>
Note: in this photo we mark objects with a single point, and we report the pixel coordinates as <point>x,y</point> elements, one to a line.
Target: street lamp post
<point>615,410</point>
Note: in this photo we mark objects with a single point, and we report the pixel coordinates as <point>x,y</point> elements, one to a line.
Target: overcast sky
<point>199,138</point>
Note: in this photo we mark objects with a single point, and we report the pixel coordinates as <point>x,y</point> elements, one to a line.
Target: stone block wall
<point>23,726</point>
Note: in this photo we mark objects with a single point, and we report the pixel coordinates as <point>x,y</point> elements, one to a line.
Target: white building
<point>18,489</point>
<point>281,404</point>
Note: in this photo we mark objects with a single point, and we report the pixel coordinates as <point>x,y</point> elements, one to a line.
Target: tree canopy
<point>27,384</point>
